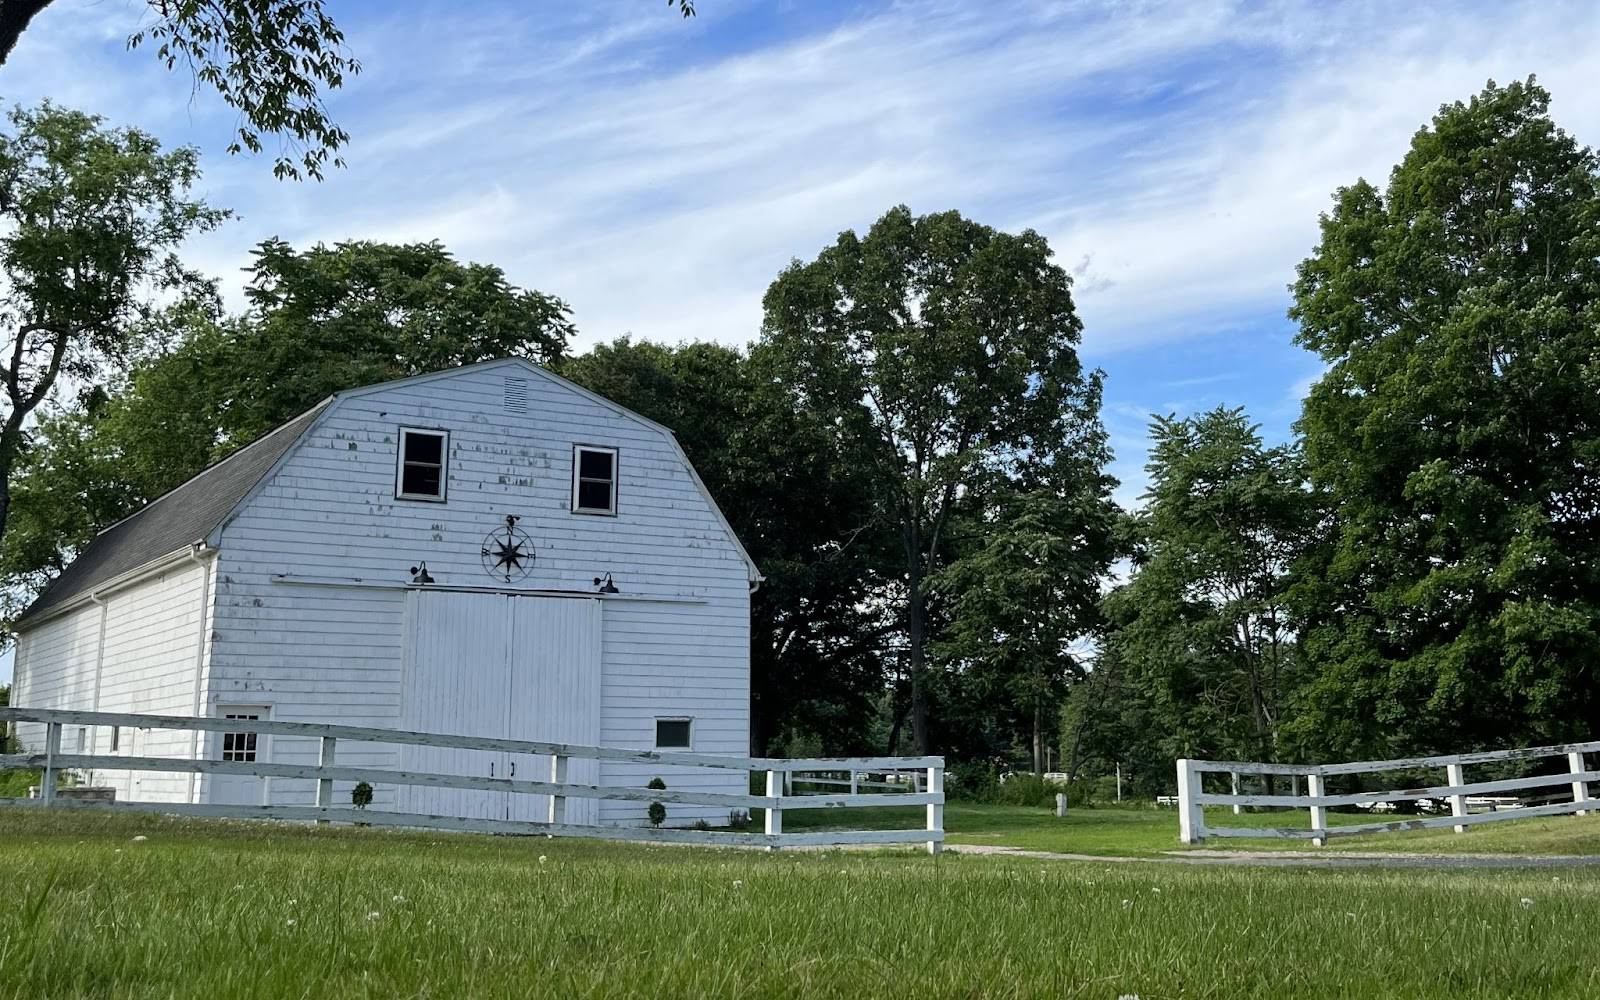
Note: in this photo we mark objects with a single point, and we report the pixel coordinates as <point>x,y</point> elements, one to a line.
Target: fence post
<point>1580,789</point>
<point>52,749</point>
<point>1319,813</point>
<point>855,783</point>
<point>935,810</point>
<point>558,775</point>
<point>774,812</point>
<point>1191,814</point>
<point>325,785</point>
<point>1237,808</point>
<point>1455,775</point>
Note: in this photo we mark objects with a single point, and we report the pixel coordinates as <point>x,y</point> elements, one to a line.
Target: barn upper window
<point>422,471</point>
<point>674,734</point>
<point>594,480</point>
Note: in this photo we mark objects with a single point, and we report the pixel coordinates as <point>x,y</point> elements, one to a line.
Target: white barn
<point>491,550</point>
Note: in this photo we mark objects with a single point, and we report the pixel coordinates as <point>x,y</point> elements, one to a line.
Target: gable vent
<point>516,395</point>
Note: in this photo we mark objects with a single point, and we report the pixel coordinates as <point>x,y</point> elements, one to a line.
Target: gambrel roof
<point>194,512</point>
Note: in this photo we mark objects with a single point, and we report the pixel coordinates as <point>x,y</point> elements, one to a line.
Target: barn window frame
<point>246,747</point>
<point>402,463</point>
<point>579,480</point>
<point>688,730</point>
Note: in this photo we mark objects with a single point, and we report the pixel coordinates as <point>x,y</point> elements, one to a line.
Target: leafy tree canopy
<point>1200,634</point>
<point>91,217</point>
<point>948,350</point>
<point>1457,434</point>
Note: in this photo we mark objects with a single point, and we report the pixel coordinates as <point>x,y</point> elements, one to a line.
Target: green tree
<point>319,321</point>
<point>1201,632</point>
<point>949,350</point>
<point>1026,588</point>
<point>1457,434</point>
<point>803,509</point>
<point>92,217</point>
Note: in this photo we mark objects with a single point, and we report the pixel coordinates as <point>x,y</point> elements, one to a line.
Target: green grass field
<point>244,910</point>
<point>1147,832</point>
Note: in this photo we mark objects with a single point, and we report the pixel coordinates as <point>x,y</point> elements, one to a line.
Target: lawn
<point>202,909</point>
<point>1146,832</point>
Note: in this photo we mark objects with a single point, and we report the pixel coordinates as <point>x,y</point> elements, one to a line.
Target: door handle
<point>491,769</point>
<point>513,769</point>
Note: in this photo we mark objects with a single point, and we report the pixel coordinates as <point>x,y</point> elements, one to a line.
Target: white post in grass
<point>1237,808</point>
<point>855,784</point>
<point>52,749</point>
<point>325,785</point>
<point>935,811</point>
<point>774,811</point>
<point>1191,815</point>
<point>1455,776</point>
<point>558,776</point>
<point>1319,813</point>
<point>1580,789</point>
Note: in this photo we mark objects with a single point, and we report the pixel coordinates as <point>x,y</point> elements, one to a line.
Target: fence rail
<point>52,761</point>
<point>1193,796</point>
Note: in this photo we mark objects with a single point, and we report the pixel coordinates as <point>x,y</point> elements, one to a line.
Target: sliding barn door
<point>457,664</point>
<point>555,694</point>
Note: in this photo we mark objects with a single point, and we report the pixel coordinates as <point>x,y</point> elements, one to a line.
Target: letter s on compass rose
<point>508,552</point>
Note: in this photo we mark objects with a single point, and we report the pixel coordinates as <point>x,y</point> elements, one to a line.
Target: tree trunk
<point>916,628</point>
<point>1038,736</point>
<point>10,439</point>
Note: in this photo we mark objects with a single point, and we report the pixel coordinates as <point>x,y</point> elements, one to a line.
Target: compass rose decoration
<point>507,551</point>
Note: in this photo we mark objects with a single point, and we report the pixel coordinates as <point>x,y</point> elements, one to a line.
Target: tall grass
<point>237,910</point>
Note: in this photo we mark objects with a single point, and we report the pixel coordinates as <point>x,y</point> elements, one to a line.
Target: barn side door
<point>456,677</point>
<point>555,695</point>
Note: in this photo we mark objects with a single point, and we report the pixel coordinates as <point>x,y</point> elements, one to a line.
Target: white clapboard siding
<point>54,668</point>
<point>660,665</point>
<point>148,665</point>
<point>152,642</point>
<point>285,639</point>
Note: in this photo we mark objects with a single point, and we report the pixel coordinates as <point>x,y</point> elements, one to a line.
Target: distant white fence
<point>929,772</point>
<point>1460,793</point>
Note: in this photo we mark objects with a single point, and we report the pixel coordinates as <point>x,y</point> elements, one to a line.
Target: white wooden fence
<point>52,762</point>
<point>1460,793</point>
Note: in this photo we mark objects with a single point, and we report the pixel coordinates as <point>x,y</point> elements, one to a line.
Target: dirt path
<point>1304,859</point>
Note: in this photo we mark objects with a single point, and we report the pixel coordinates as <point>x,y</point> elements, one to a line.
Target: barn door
<point>456,664</point>
<point>243,748</point>
<point>554,695</point>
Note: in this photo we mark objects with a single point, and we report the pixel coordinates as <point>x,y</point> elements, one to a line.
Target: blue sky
<point>657,173</point>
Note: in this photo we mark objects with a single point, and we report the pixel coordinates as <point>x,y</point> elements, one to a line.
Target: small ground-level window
<point>594,480</point>
<point>674,734</point>
<point>422,472</point>
<point>240,746</point>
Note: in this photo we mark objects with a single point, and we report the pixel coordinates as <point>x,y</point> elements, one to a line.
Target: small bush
<point>361,795</point>
<point>657,813</point>
<point>14,784</point>
<point>1028,790</point>
<point>700,825</point>
<point>739,819</point>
